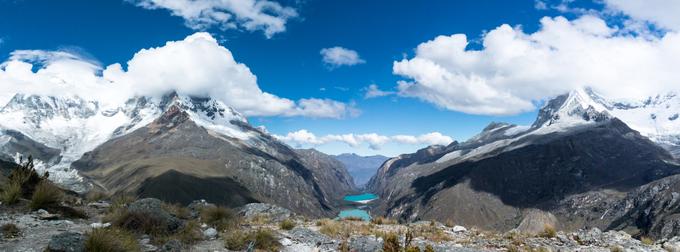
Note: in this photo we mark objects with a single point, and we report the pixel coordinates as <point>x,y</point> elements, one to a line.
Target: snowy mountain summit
<point>73,126</point>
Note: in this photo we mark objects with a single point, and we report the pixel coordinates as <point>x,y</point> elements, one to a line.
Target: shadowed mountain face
<point>574,162</point>
<point>361,168</point>
<point>175,159</point>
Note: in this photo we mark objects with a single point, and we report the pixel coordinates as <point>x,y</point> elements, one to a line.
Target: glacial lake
<point>360,209</point>
<point>361,198</point>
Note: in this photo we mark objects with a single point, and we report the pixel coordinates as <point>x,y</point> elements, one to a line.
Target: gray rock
<point>153,209</point>
<point>365,243</point>
<point>313,239</point>
<point>210,233</point>
<point>67,242</point>
<point>172,246</point>
<point>273,212</point>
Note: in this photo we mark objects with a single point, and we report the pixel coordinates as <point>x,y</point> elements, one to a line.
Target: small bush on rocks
<point>391,243</point>
<point>141,223</point>
<point>9,231</point>
<point>548,232</point>
<point>429,248</point>
<point>46,195</point>
<point>287,224</point>
<point>190,233</point>
<point>646,240</point>
<point>236,240</point>
<point>110,240</point>
<point>11,193</point>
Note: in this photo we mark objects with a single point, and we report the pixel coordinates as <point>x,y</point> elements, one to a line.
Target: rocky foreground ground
<point>43,231</point>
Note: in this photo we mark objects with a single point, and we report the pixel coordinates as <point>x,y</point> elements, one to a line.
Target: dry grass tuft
<point>646,240</point>
<point>263,239</point>
<point>11,193</point>
<point>287,224</point>
<point>46,195</point>
<point>383,221</point>
<point>548,232</point>
<point>110,240</point>
<point>391,243</point>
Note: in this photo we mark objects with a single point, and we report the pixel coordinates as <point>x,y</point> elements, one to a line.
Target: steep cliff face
<point>331,173</point>
<point>572,151</point>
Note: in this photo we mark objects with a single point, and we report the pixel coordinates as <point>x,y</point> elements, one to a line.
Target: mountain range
<point>586,161</point>
<point>581,163</point>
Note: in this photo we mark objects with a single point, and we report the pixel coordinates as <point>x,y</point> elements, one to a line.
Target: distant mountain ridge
<point>362,168</point>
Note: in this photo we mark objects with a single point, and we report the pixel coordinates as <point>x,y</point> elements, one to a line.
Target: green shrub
<point>11,193</point>
<point>9,231</point>
<point>46,195</point>
<point>110,240</point>
<point>218,217</point>
<point>429,248</point>
<point>287,224</point>
<point>646,240</point>
<point>26,176</point>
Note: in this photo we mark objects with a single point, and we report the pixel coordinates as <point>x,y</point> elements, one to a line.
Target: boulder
<point>153,208</point>
<point>365,243</point>
<point>67,242</point>
<point>210,233</point>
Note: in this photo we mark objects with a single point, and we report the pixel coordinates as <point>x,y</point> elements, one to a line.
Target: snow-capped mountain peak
<point>75,126</point>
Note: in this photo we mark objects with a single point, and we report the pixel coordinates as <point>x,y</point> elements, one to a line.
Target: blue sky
<point>288,64</point>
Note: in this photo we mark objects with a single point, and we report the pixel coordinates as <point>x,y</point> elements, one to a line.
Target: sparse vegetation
<point>46,195</point>
<point>190,233</point>
<point>262,239</point>
<point>391,243</point>
<point>22,182</point>
<point>429,248</point>
<point>287,224</point>
<point>96,196</point>
<point>646,240</point>
<point>178,211</point>
<point>140,223</point>
<point>218,217</point>
<point>236,240</point>
<point>616,249</point>
<point>11,193</point>
<point>352,218</point>
<point>382,221</point>
<point>110,240</point>
<point>548,232</point>
<point>9,231</point>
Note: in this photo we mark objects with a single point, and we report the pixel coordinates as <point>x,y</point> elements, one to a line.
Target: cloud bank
<point>374,141</point>
<point>338,56</point>
<point>515,70</point>
<point>196,66</point>
<point>251,15</point>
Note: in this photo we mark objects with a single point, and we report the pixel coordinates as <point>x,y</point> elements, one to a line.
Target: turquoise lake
<point>360,197</point>
<point>360,211</point>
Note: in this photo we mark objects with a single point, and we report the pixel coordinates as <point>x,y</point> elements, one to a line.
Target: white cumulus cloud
<point>373,140</point>
<point>514,70</point>
<point>251,15</point>
<point>338,56</point>
<point>663,13</point>
<point>196,66</point>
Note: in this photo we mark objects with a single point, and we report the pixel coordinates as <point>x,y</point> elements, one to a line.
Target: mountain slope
<point>573,148</point>
<point>199,148</point>
<point>361,168</point>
